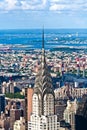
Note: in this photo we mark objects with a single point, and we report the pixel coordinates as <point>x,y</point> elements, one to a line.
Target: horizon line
<point>38,28</point>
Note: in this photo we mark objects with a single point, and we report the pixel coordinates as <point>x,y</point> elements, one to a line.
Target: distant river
<point>32,38</point>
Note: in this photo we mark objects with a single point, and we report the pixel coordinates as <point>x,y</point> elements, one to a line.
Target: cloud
<point>22,4</point>
<point>33,4</point>
<point>69,5</point>
<point>8,5</point>
<point>61,6</point>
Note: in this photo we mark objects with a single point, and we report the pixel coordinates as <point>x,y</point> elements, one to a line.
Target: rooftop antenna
<point>43,38</point>
<point>43,50</point>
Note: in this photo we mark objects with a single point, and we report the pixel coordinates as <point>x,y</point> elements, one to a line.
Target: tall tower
<point>43,116</point>
<point>2,103</point>
<point>0,89</point>
<point>28,105</point>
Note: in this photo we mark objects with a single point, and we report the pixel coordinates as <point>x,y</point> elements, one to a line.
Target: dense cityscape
<point>43,89</point>
<point>43,64</point>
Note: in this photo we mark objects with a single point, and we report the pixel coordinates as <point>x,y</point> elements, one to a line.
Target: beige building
<point>8,87</point>
<point>70,112</point>
<point>15,114</point>
<point>4,122</point>
<point>61,128</point>
<point>69,91</point>
<point>19,124</point>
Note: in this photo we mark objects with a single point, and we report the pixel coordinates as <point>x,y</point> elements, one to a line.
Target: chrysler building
<point>43,114</point>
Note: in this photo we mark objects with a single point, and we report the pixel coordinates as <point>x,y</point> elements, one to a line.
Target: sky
<point>30,14</point>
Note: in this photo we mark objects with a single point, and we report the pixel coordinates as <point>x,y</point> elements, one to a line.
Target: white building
<point>43,116</point>
<point>70,112</point>
<point>19,124</point>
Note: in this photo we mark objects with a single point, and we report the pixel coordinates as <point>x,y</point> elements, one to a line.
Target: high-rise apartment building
<point>70,112</point>
<point>43,114</point>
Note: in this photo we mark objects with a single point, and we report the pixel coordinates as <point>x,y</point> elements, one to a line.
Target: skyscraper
<point>70,112</point>
<point>15,114</point>
<point>43,116</point>
<point>2,103</point>
<point>28,104</point>
<point>0,89</point>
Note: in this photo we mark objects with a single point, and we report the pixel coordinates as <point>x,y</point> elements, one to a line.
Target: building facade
<point>70,112</point>
<point>19,124</point>
<point>69,91</point>
<point>43,114</point>
<point>15,114</point>
<point>4,122</point>
<point>2,103</point>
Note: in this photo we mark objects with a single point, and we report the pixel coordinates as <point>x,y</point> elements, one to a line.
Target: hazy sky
<point>36,13</point>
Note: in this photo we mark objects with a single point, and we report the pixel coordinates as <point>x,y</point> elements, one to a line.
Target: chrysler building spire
<point>43,82</point>
<point>43,50</point>
<point>43,39</point>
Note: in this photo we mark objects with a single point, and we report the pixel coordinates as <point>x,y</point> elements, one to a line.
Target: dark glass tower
<point>2,103</point>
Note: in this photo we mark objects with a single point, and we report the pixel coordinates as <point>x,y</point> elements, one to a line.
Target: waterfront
<point>54,38</point>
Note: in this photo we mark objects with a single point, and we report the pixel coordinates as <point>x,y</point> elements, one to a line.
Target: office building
<point>43,114</point>
<point>70,112</point>
<point>2,103</point>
